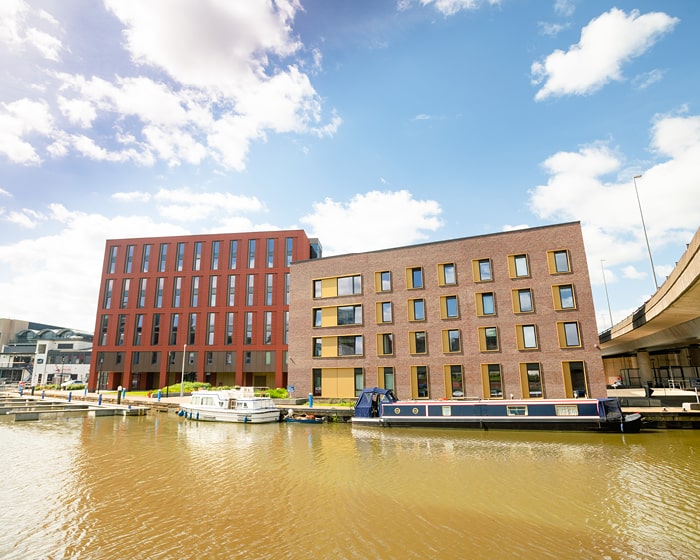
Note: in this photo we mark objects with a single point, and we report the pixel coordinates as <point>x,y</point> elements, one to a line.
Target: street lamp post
<point>606,292</point>
<point>644,228</point>
<point>182,375</point>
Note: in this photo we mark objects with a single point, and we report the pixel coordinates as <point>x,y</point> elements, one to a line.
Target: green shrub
<point>279,393</point>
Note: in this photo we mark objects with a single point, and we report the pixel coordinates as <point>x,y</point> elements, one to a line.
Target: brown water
<point>159,487</point>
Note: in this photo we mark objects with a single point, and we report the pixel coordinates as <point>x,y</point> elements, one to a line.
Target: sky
<point>370,124</point>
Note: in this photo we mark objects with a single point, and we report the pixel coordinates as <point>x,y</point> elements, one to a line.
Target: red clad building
<point>215,307</point>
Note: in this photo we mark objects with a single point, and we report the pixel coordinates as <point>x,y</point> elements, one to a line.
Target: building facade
<point>211,308</point>
<point>507,315</point>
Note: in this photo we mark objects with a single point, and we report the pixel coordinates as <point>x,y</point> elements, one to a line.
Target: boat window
<point>520,410</point>
<point>566,409</point>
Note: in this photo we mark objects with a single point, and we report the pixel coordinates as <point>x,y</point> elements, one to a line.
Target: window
<point>385,344</point>
<point>485,304</point>
<point>385,312</point>
<point>125,293</point>
<point>112,264</point>
<point>174,323</point>
<point>526,337</point>
<point>568,335</point>
<point>350,345</point>
<point>448,307</point>
<point>559,262</point>
<point>138,329</point>
<point>104,323</point>
<point>229,328</point>
<point>317,381</point>
<point>231,296</point>
<point>564,297</point>
<point>492,380</point>
<point>531,380</point>
<point>211,323</point>
<point>233,254</point>
<point>575,376</point>
<point>414,278</point>
<point>359,381</point>
<point>251,253</point>
<point>270,253</point>
<point>349,285</point>
<point>382,281</point>
<point>350,315</point>
<point>418,342</point>
<point>109,288</point>
<point>213,282</point>
<point>141,302</point>
<point>194,295</point>
<point>248,336</point>
<point>446,274</point>
<point>318,289</point>
<point>285,336</point>
<point>197,256</point>
<point>317,349</point>
<point>456,381</point>
<point>318,317</point>
<point>129,261</point>
<point>155,329</point>
<point>250,289</point>
<point>145,257</point>
<point>286,288</point>
<point>488,339</point>
<point>192,329</point>
<point>215,247</point>
<point>482,270</point>
<point>522,301</point>
<point>421,385</point>
<point>162,257</point>
<point>518,266</point>
<point>416,310</point>
<point>269,278</point>
<point>267,327</point>
<point>180,257</point>
<point>289,251</point>
<point>516,410</point>
<point>388,377</point>
<point>451,341</point>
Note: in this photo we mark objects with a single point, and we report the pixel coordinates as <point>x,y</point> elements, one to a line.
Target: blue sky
<point>369,123</point>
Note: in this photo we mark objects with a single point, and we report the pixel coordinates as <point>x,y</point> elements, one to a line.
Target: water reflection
<point>160,487</point>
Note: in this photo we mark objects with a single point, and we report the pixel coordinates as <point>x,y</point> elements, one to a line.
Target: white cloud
<point>594,186</point>
<point>26,218</point>
<point>552,29</point>
<point>643,81</point>
<point>451,7</point>
<point>564,8</point>
<point>633,273</point>
<point>374,220</point>
<point>606,43</point>
<point>19,120</point>
<point>20,27</point>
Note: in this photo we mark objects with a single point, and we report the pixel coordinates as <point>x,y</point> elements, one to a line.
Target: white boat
<point>232,405</point>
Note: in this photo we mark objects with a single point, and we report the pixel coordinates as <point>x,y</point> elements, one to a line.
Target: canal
<point>160,487</point>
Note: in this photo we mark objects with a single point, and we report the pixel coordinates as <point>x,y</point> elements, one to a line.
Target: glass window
<point>520,263</point>
<point>456,381</point>
<point>386,312</point>
<point>112,265</point>
<point>485,270</point>
<point>453,340</point>
<point>388,375</point>
<point>534,380</point>
<point>160,288</point>
<point>231,291</point>
<point>250,289</point>
<point>126,283</point>
<point>145,257</point>
<point>318,317</point>
<point>215,247</point>
<point>349,285</point>
<point>561,261</point>
<point>387,344</point>
<point>422,384</point>
<point>270,253</point>
<point>162,257</point>
<point>318,289</point>
<point>418,306</point>
<point>416,277</point>
<point>197,257</point>
<point>211,322</point>
<point>109,288</point>
<point>194,296</point>
<point>317,347</point>
<point>448,274</point>
<point>385,281</point>
<point>495,381</point>
<point>251,253</point>
<point>488,306</point>
<point>229,328</point>
<point>174,323</point>
<point>268,288</point>
<point>359,381</point>
<point>248,336</point>
<point>180,257</point>
<point>451,307</point>
<point>129,262</point>
<point>289,249</point>
<point>349,345</point>
<point>192,330</point>
<point>571,334</point>
<point>232,254</point>
<point>155,329</point>
<point>525,301</point>
<point>488,338</point>
<point>566,296</point>
<point>267,327</point>
<point>213,283</point>
<point>350,315</point>
<point>142,293</point>
<point>529,336</point>
<point>419,342</point>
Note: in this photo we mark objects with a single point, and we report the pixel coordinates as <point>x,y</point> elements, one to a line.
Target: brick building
<point>215,306</point>
<point>494,316</point>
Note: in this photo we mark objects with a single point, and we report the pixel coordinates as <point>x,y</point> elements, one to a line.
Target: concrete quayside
<point>26,408</point>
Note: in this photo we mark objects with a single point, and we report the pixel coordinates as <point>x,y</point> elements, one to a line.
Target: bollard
<point>159,394</point>
<point>85,392</point>
<point>119,394</point>
<point>70,395</point>
<point>43,394</point>
<point>32,390</point>
<point>123,393</point>
<point>21,390</point>
<point>311,400</point>
<point>99,400</point>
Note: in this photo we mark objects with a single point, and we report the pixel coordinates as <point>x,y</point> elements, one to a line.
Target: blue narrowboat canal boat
<point>380,407</point>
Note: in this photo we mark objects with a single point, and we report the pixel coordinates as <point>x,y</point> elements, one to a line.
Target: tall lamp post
<point>644,228</point>
<point>182,375</point>
<point>606,292</point>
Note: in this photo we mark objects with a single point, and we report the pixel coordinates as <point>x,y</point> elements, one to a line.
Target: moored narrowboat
<point>380,407</point>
